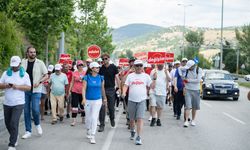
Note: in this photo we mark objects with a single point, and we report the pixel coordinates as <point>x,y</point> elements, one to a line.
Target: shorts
<point>136,110</point>
<point>192,99</point>
<point>157,100</point>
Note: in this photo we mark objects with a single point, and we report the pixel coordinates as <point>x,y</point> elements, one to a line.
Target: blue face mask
<point>21,72</point>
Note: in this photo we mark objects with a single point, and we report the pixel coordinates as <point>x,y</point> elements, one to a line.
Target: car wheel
<point>203,96</point>
<point>235,98</point>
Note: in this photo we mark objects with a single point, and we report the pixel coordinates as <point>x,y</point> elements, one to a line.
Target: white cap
<point>15,61</point>
<point>99,59</point>
<point>177,62</point>
<point>89,60</point>
<point>94,64</point>
<point>138,62</point>
<point>50,68</point>
<point>189,64</point>
<point>58,67</point>
<point>184,59</point>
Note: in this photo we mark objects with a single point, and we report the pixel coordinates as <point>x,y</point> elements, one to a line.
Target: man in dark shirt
<point>109,71</point>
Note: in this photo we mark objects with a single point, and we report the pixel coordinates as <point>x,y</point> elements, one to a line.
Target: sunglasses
<point>80,65</point>
<point>138,65</point>
<point>105,58</point>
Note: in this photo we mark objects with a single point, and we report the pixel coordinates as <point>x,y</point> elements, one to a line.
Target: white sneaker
<point>186,124</point>
<point>92,140</point>
<point>193,123</point>
<point>39,129</point>
<point>150,118</point>
<point>88,134</point>
<point>117,109</point>
<point>26,135</point>
<point>11,148</point>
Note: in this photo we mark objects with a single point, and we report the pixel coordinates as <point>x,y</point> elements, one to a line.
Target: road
<point>221,125</point>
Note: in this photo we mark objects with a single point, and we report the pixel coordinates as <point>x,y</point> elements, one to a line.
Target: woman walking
<point>76,92</point>
<point>14,81</point>
<point>92,93</point>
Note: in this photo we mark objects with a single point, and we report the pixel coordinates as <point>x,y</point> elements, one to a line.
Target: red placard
<point>141,56</point>
<point>156,57</point>
<point>123,62</point>
<point>169,57</point>
<point>65,56</point>
<point>94,51</point>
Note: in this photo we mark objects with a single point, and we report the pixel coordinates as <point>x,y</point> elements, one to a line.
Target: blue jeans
<point>32,100</point>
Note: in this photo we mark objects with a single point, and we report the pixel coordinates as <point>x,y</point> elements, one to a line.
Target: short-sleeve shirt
<point>109,74</point>
<point>77,85</point>
<point>58,83</point>
<point>138,84</point>
<point>93,87</point>
<point>14,97</point>
<point>161,83</point>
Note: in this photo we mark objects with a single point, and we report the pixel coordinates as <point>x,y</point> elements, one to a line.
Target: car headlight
<point>208,85</point>
<point>236,85</point>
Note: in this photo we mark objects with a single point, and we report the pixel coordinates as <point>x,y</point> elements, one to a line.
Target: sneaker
<point>88,134</point>
<point>117,109</point>
<point>26,135</point>
<point>112,123</point>
<point>158,122</point>
<point>186,123</point>
<point>132,136</point>
<point>152,122</point>
<point>124,112</point>
<point>101,129</point>
<point>138,140</point>
<point>39,129</point>
<point>67,116</point>
<point>92,140</point>
<point>61,118</point>
<point>178,118</point>
<point>193,123</point>
<point>11,148</point>
<point>150,118</point>
<point>53,122</point>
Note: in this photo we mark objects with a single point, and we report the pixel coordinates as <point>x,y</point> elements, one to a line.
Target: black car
<point>219,84</point>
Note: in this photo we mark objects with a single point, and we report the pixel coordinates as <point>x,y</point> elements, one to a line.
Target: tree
<point>10,41</point>
<point>129,53</point>
<point>42,19</point>
<point>243,37</point>
<point>93,28</point>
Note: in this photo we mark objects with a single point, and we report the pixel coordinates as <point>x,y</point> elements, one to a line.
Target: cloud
<point>168,13</point>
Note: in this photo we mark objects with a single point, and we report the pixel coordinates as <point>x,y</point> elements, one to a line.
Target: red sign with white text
<point>65,58</point>
<point>141,56</point>
<point>94,51</point>
<point>156,57</point>
<point>123,62</point>
<point>169,57</point>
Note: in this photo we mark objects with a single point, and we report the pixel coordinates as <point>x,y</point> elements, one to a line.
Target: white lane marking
<point>235,119</point>
<point>111,133</point>
<point>208,105</point>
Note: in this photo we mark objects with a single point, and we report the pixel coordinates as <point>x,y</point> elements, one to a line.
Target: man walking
<point>138,84</point>
<point>38,74</point>
<point>192,85</point>
<point>109,71</point>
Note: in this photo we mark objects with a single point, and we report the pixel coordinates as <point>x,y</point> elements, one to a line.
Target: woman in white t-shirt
<point>14,81</point>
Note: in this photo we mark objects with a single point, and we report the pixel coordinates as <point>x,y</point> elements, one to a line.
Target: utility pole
<point>221,36</point>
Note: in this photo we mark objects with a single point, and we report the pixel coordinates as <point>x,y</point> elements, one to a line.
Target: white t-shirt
<point>160,83</point>
<point>14,97</point>
<point>137,84</point>
<point>172,75</point>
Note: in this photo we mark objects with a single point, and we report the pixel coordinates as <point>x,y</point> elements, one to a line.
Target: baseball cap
<point>15,61</point>
<point>79,62</point>
<point>177,62</point>
<point>89,60</point>
<point>58,67</point>
<point>138,62</point>
<point>94,64</point>
<point>189,64</point>
<point>184,59</point>
<point>50,68</point>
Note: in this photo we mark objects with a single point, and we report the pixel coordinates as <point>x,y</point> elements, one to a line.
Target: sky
<point>165,13</point>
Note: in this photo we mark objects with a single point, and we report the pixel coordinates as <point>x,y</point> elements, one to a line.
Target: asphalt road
<point>221,125</point>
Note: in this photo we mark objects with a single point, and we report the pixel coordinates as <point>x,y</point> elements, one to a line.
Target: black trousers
<point>76,104</point>
<point>110,94</point>
<point>12,116</point>
<point>180,101</point>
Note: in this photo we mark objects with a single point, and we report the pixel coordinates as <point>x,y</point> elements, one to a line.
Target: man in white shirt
<point>14,81</point>
<point>158,95</point>
<point>138,84</point>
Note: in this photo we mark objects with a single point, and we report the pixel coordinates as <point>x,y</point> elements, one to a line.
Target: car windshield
<point>218,76</point>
